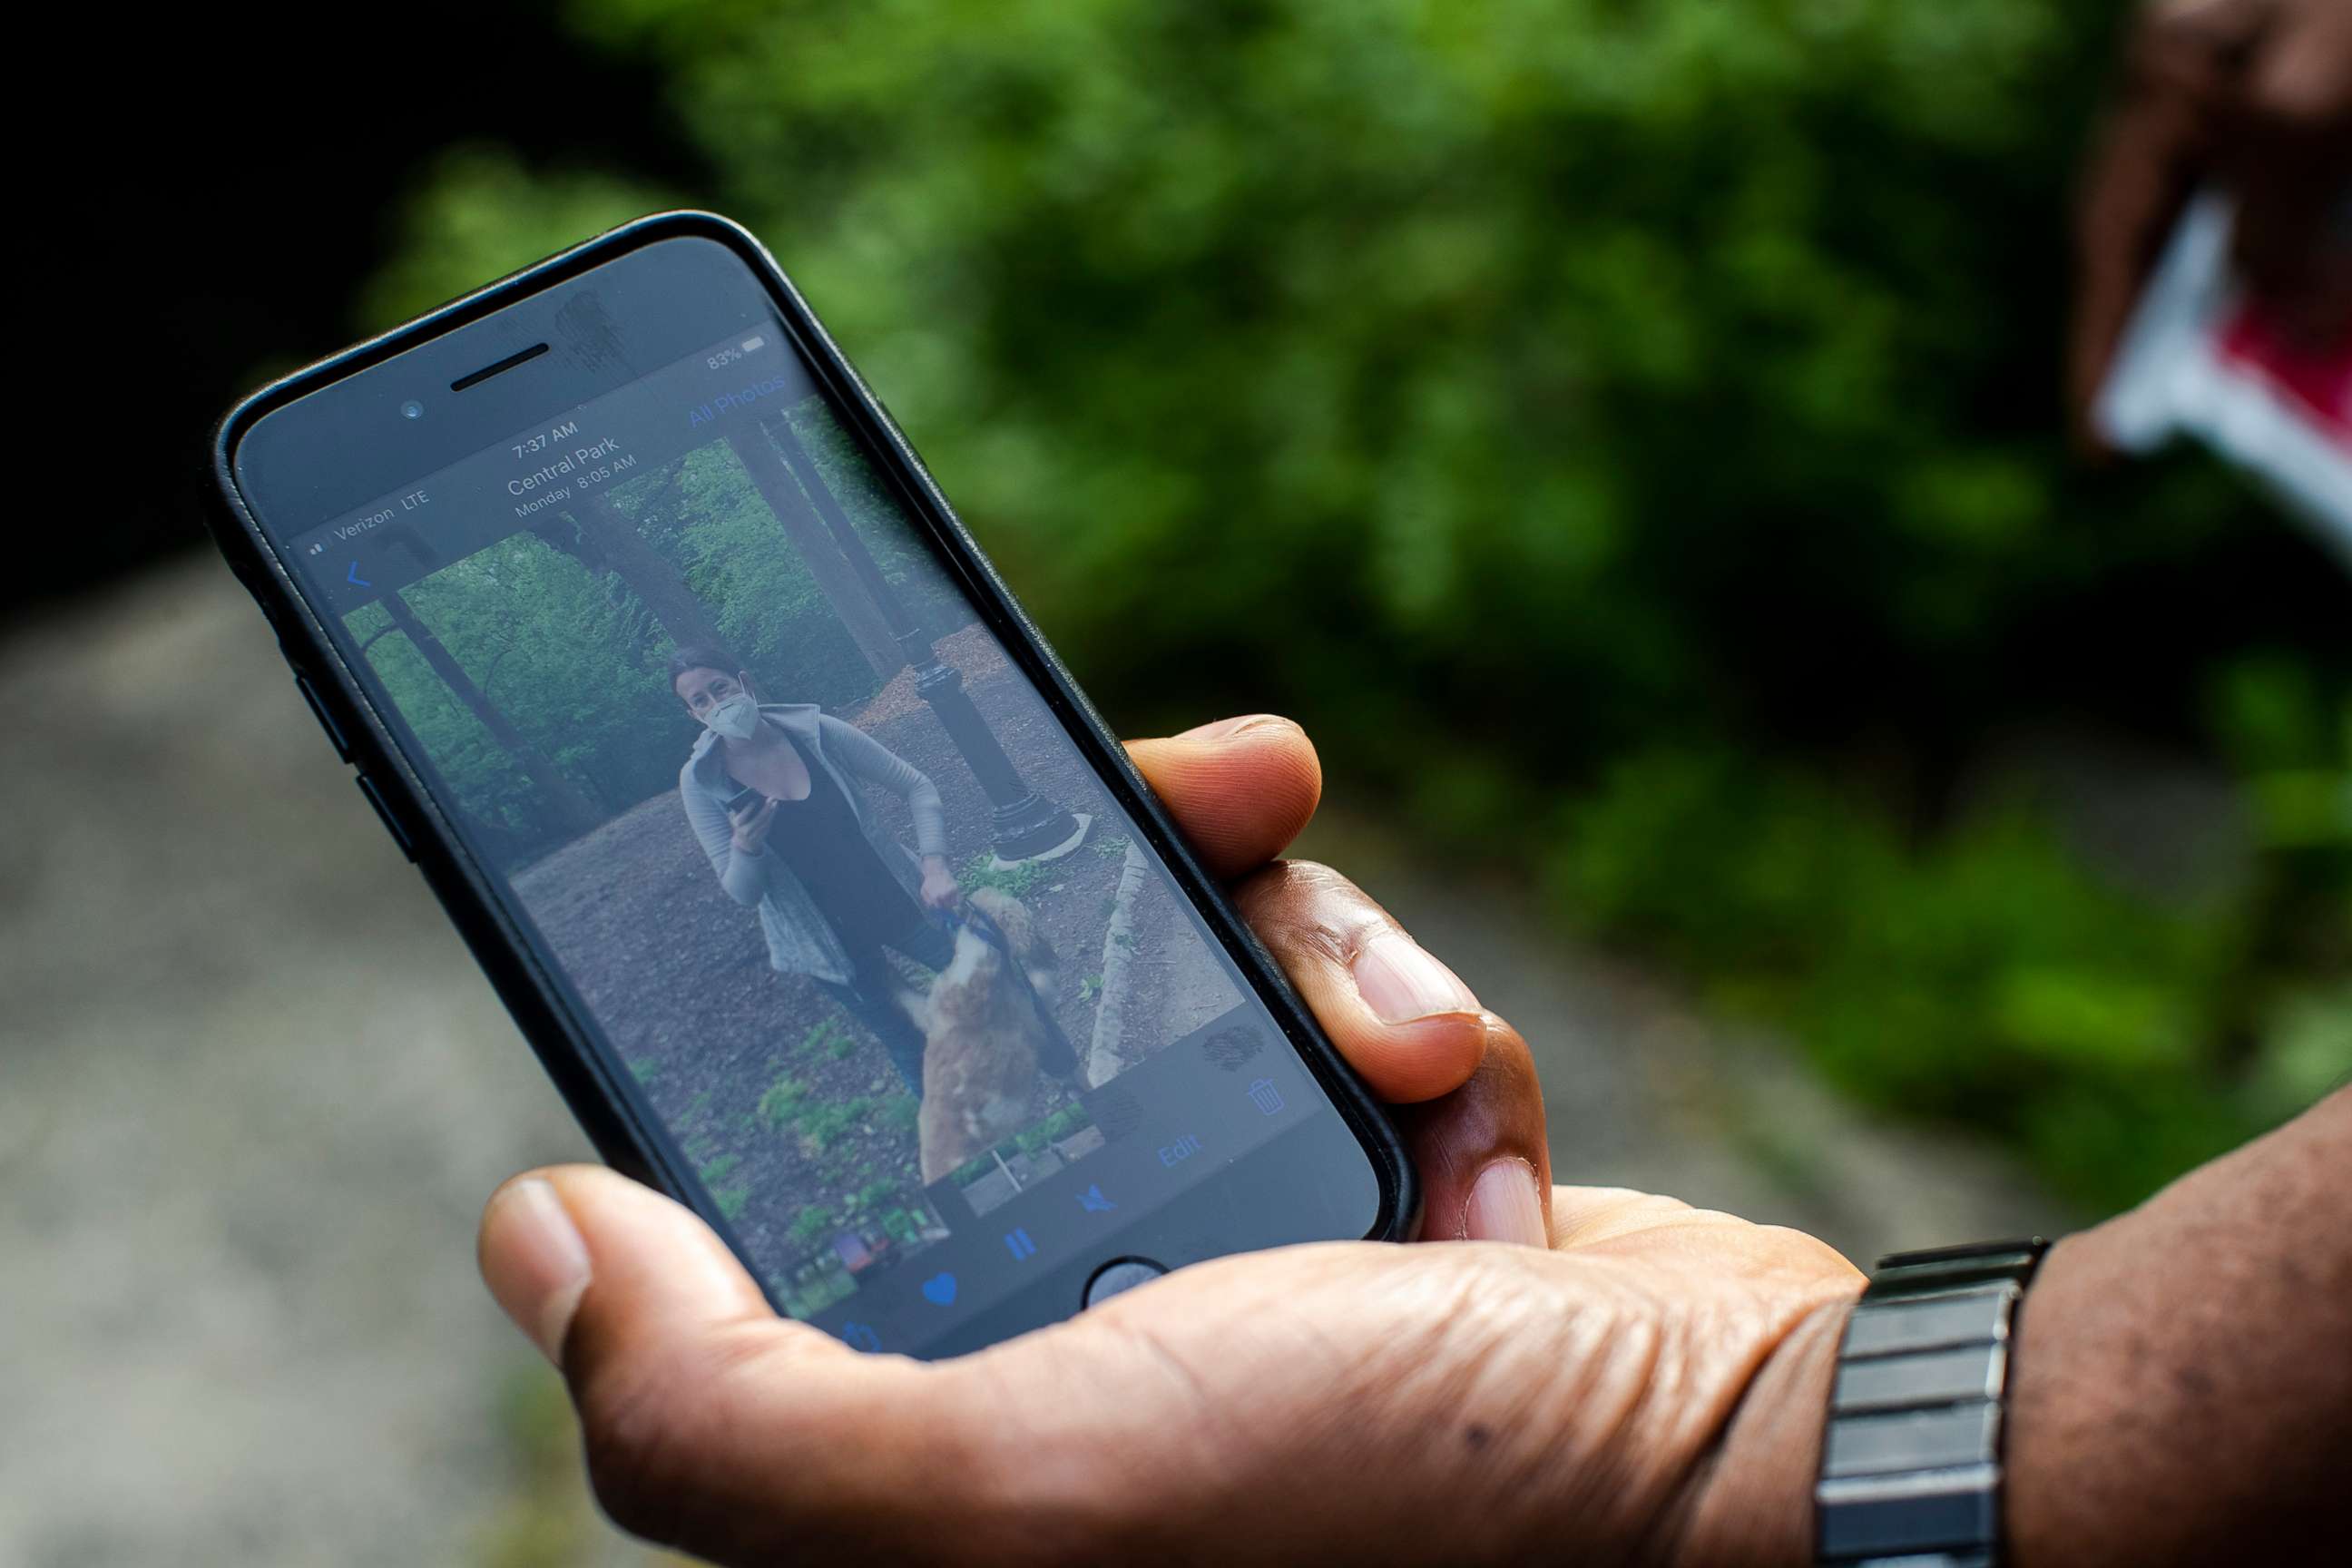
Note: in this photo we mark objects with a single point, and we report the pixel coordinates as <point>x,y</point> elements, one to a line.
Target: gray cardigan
<point>801,940</point>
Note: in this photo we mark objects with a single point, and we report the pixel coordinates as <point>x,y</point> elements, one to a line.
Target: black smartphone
<point>569,566</point>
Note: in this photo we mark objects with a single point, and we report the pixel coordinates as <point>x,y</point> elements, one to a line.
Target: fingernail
<point>1400,981</point>
<point>1226,728</point>
<point>541,1264</point>
<point>1505,1205</point>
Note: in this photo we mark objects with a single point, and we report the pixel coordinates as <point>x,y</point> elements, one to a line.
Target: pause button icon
<point>1017,1243</point>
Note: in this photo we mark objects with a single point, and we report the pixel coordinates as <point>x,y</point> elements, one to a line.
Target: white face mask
<point>737,718</point>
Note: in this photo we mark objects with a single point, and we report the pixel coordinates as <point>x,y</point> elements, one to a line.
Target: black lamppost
<point>1028,826</point>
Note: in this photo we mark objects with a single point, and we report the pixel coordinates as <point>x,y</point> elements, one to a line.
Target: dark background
<point>248,190</point>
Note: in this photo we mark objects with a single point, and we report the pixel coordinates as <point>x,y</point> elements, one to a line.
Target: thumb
<point>1241,788</point>
<point>537,1259</point>
<point>709,1422</point>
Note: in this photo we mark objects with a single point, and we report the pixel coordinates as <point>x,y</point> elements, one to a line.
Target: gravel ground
<point>253,1091</point>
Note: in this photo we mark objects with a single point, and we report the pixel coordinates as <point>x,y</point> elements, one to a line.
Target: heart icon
<point>940,1289</point>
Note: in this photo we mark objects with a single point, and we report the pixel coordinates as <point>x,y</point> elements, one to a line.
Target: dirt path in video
<point>678,972</point>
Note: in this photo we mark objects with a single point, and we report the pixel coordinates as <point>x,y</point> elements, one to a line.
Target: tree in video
<point>827,871</point>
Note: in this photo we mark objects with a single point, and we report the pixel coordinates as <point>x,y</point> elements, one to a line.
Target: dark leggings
<point>871,995</point>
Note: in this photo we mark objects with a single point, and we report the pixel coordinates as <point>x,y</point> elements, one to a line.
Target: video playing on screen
<point>849,904</point>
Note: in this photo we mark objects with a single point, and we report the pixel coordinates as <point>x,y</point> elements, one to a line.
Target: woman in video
<point>771,790</point>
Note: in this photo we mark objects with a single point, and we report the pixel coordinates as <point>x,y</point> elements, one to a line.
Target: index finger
<point>1462,1079</point>
<point>1240,789</point>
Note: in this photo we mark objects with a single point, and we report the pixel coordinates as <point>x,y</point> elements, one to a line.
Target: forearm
<point>2180,1388</point>
<point>744,874</point>
<point>2183,1388</point>
<point>868,760</point>
<point>930,822</point>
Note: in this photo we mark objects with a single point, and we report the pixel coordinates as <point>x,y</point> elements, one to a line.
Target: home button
<point>1120,1274</point>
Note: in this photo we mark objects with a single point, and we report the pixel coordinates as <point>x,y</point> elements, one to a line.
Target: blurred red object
<point>2202,357</point>
<point>2320,383</point>
<point>2249,101</point>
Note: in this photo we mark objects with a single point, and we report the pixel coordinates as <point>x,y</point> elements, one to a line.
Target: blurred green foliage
<point>1625,431</point>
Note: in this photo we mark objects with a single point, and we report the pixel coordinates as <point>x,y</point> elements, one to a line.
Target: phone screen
<point>909,994</point>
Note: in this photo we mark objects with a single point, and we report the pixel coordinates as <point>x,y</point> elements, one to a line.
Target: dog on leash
<point>986,1031</point>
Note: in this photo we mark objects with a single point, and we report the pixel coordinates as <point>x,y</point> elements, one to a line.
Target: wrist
<point>2045,1473</point>
<point>1912,1457</point>
<point>1752,1505</point>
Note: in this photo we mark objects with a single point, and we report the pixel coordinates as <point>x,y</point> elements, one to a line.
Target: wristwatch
<point>1911,1460</point>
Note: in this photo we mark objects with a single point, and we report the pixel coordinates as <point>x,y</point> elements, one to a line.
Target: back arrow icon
<point>354,579</point>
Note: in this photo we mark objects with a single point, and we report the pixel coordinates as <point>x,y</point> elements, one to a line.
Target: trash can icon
<point>1265,1096</point>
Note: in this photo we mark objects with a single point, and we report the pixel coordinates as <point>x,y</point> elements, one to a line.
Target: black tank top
<point>819,838</point>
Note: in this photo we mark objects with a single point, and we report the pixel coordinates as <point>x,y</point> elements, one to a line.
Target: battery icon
<point>753,343</point>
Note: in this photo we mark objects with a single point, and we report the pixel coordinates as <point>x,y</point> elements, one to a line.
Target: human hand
<point>938,891</point>
<point>1479,1401</point>
<point>752,824</point>
<point>2254,95</point>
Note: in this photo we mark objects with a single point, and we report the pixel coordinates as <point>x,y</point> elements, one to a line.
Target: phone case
<point>614,1115</point>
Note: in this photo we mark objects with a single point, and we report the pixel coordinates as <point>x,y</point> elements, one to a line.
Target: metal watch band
<point>1911,1460</point>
